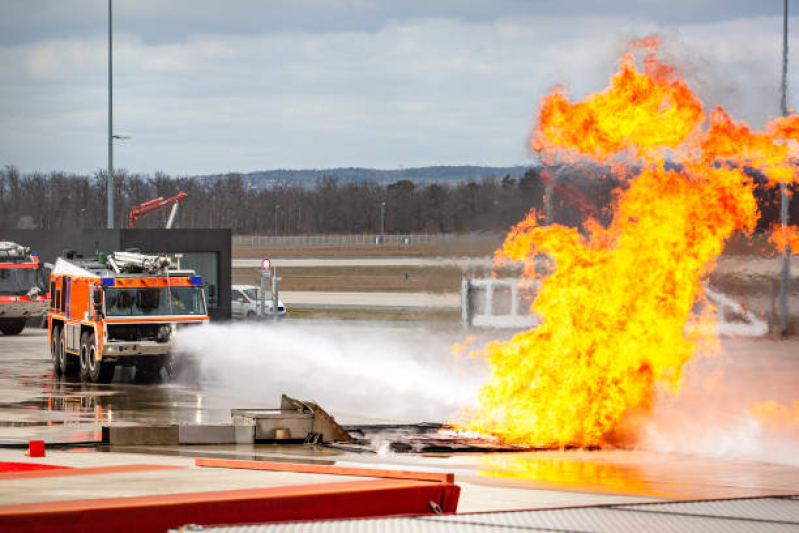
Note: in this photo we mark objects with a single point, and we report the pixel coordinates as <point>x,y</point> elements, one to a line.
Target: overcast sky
<point>238,85</point>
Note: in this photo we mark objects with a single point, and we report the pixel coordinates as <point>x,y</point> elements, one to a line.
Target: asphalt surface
<point>692,462</point>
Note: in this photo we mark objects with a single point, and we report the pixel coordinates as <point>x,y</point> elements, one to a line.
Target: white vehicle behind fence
<point>247,302</point>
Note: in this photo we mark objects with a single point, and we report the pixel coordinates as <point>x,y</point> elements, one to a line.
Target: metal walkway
<point>745,515</point>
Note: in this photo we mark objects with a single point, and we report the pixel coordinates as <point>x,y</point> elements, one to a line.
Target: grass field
<point>476,248</point>
<point>418,315</point>
<point>360,279</point>
<point>756,291</point>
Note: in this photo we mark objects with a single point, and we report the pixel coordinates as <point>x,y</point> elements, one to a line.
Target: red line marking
<point>328,469</point>
<point>69,471</point>
<point>10,467</point>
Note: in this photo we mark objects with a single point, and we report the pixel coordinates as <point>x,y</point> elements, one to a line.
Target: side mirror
<point>97,297</point>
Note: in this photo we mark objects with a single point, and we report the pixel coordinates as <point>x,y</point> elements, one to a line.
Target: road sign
<point>266,264</point>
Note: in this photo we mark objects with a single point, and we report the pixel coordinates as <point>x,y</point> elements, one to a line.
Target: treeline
<point>56,200</point>
<point>59,200</point>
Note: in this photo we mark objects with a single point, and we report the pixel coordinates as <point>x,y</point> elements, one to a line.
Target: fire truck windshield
<point>154,301</point>
<point>18,281</point>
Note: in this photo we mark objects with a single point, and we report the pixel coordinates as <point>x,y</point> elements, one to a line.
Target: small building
<point>206,251</point>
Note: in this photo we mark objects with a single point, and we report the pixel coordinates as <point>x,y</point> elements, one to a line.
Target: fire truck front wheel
<point>91,368</point>
<point>12,326</point>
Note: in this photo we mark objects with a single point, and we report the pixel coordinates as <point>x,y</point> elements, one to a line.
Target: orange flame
<point>784,236</point>
<point>777,415</point>
<point>615,308</point>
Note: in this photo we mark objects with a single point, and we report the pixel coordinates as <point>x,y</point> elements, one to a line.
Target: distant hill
<point>449,175</point>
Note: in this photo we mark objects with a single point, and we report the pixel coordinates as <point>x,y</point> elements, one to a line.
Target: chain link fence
<point>413,238</point>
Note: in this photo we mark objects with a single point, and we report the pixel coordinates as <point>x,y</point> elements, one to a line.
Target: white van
<point>246,303</point>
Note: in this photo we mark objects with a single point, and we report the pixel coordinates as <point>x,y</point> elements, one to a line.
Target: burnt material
<point>427,438</point>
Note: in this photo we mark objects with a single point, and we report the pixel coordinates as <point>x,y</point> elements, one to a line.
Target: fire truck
<point>124,308</point>
<point>22,287</point>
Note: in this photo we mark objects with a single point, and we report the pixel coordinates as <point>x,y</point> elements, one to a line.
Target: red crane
<point>153,206</point>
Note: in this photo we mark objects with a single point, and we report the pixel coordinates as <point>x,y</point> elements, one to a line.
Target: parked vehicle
<point>22,287</point>
<point>246,303</point>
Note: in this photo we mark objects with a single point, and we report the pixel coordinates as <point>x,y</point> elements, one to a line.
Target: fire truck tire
<point>83,360</point>
<point>55,349</point>
<point>12,326</point>
<point>67,363</point>
<point>92,368</point>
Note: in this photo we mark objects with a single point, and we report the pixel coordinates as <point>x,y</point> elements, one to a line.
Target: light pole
<point>111,134</point>
<point>784,200</point>
<point>382,218</point>
<point>110,181</point>
<point>277,206</point>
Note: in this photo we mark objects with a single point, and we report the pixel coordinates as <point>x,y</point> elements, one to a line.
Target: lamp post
<point>382,218</point>
<point>785,276</point>
<point>277,206</point>
<point>111,134</point>
<point>110,180</point>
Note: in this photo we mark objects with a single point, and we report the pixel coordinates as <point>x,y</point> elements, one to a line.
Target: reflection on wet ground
<point>35,404</point>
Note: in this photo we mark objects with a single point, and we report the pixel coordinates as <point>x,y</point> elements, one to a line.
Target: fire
<point>784,236</point>
<point>615,307</point>
<point>777,415</point>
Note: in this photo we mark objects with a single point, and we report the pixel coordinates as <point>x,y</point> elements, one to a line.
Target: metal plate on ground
<point>745,515</point>
<point>768,509</point>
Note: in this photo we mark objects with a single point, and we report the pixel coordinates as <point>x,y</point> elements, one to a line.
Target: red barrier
<point>379,497</point>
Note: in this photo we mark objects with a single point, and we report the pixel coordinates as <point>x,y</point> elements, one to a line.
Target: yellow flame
<point>615,307</point>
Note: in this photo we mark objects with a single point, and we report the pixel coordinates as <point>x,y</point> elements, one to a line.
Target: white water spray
<point>358,374</point>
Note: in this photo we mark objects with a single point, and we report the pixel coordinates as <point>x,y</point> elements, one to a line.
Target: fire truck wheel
<point>55,349</point>
<point>67,363</point>
<point>96,370</point>
<point>12,326</point>
<point>83,360</point>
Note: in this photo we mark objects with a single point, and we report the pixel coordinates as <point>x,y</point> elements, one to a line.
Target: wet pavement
<point>35,405</point>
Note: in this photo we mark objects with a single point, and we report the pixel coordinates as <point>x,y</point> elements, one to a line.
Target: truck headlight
<point>165,333</point>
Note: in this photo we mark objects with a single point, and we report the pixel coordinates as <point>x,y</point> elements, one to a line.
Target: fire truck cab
<point>121,309</point>
<point>22,287</point>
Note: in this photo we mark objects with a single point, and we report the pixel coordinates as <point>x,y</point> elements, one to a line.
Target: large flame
<point>614,309</point>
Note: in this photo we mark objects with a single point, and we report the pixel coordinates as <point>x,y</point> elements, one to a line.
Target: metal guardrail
<point>498,302</point>
<point>505,303</point>
<point>410,238</point>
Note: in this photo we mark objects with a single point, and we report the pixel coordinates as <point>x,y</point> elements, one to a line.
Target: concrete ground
<point>34,404</point>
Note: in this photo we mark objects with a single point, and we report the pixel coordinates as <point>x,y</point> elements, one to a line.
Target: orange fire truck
<point>22,287</point>
<point>123,308</point>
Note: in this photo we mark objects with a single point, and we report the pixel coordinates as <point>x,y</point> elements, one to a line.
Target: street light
<point>110,177</point>
<point>277,206</point>
<point>111,134</point>
<point>382,218</point>
<point>785,277</point>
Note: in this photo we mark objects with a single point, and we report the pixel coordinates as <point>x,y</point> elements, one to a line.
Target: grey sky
<point>244,85</point>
